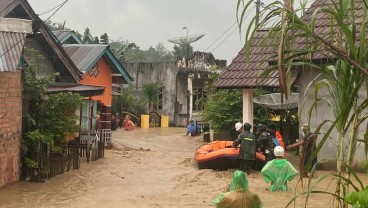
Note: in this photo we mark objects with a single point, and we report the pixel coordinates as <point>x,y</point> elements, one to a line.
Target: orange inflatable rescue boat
<point>220,155</point>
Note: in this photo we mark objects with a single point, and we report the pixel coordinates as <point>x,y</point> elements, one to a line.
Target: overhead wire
<point>60,6</point>
<point>245,16</point>
<point>51,9</point>
<point>15,44</point>
<point>221,36</point>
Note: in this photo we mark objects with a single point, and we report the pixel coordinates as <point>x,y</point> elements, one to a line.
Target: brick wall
<point>10,126</point>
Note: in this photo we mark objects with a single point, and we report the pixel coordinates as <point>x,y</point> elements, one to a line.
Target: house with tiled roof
<point>250,71</point>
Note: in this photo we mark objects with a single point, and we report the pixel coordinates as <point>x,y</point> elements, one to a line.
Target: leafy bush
<point>223,110</point>
<point>48,119</point>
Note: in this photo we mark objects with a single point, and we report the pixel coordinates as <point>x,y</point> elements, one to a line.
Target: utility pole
<point>258,6</point>
<point>187,46</point>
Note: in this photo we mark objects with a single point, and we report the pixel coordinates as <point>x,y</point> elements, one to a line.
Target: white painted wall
<point>324,112</point>
<point>248,106</point>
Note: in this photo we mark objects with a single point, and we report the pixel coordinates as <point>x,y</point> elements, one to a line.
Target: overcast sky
<point>149,22</point>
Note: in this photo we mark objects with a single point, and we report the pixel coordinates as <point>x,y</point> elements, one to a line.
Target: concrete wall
<point>324,112</point>
<point>10,126</point>
<point>175,86</point>
<point>173,76</point>
<point>162,73</point>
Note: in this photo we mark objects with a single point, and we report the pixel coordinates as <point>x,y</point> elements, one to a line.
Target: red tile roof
<point>246,71</point>
<point>243,74</point>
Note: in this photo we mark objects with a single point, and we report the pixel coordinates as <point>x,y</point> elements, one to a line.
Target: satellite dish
<point>186,39</point>
<point>273,101</point>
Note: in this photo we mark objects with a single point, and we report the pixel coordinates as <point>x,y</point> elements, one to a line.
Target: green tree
<point>104,39</point>
<point>96,40</point>
<point>47,119</point>
<point>223,109</point>
<point>150,93</point>
<point>87,37</point>
<point>54,26</point>
<point>127,51</point>
<point>127,101</point>
<point>183,50</point>
<point>163,53</point>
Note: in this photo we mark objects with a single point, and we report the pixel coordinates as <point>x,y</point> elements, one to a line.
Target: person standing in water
<point>278,171</point>
<point>238,195</point>
<point>247,153</point>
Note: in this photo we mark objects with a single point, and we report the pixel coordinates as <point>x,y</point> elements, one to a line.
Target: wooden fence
<point>51,164</point>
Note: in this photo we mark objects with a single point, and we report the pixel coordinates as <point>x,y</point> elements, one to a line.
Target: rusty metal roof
<point>11,47</point>
<point>86,55</point>
<point>243,74</point>
<point>82,89</point>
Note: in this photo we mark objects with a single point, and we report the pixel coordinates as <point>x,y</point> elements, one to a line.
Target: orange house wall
<point>103,79</point>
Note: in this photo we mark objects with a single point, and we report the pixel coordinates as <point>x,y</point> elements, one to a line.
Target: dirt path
<point>146,168</point>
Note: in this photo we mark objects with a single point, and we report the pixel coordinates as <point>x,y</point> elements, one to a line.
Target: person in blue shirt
<point>191,128</point>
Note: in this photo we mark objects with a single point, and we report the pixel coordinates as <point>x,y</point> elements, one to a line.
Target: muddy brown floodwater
<point>147,168</point>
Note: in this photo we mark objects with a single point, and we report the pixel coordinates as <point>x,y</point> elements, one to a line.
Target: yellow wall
<point>103,79</point>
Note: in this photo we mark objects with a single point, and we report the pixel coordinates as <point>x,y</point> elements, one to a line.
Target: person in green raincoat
<point>278,171</point>
<point>239,195</point>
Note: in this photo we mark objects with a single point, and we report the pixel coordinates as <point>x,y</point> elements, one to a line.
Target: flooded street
<point>146,168</point>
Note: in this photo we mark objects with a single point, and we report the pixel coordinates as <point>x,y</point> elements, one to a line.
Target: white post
<point>248,106</point>
<point>190,90</point>
<point>89,129</point>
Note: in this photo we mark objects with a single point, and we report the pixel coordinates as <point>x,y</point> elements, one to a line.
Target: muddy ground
<point>148,168</point>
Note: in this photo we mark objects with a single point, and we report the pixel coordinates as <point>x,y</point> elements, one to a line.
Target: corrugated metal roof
<point>261,54</point>
<point>11,47</point>
<point>67,37</point>
<point>84,56</point>
<point>82,89</point>
<point>61,34</point>
<point>51,45</point>
<point>4,4</point>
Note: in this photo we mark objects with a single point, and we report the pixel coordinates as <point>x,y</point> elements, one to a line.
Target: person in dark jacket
<point>265,143</point>
<point>247,154</point>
